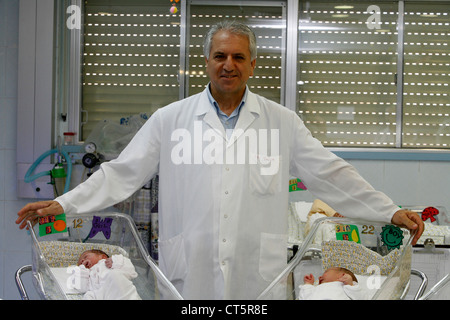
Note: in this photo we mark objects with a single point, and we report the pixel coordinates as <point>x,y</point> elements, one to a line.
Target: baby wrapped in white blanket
<point>335,284</point>
<point>103,278</point>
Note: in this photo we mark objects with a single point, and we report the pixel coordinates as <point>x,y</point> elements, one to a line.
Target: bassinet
<point>114,233</point>
<point>378,254</point>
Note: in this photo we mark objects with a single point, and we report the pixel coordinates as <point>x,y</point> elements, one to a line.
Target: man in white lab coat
<point>224,157</point>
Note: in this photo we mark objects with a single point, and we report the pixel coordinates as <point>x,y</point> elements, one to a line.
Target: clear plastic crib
<point>114,233</point>
<point>378,254</point>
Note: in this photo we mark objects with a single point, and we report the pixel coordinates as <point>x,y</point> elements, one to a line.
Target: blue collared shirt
<point>229,122</point>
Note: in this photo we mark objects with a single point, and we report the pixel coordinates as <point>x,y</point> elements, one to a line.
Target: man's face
<point>229,65</point>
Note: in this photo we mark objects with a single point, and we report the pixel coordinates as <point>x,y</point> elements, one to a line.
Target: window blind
<point>347,68</point>
<point>347,64</point>
<point>348,57</point>
<point>426,117</point>
<point>130,59</point>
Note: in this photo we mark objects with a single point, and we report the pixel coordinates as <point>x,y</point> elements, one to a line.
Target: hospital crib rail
<point>19,282</point>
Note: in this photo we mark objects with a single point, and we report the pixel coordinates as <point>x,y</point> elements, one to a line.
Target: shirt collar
<point>216,105</point>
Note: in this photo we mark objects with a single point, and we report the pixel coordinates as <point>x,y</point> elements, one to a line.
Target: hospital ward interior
<point>94,97</point>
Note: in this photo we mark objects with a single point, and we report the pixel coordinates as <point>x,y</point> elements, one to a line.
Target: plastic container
<point>69,138</point>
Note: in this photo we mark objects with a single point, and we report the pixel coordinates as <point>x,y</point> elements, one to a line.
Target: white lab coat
<point>223,226</point>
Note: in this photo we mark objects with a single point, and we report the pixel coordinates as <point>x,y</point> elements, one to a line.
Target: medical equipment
<point>378,254</point>
<point>53,256</point>
<point>55,173</point>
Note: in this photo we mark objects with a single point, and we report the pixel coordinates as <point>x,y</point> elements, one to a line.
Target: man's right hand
<point>32,211</point>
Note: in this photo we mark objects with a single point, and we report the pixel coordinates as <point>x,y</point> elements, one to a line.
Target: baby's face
<point>89,259</point>
<point>330,275</point>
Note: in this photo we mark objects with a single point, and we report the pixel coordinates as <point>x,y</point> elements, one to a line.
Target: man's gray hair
<point>232,27</point>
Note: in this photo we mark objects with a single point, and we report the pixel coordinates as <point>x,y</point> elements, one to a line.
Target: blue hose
<point>28,177</point>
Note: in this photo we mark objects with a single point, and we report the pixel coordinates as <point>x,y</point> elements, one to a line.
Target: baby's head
<point>89,258</point>
<point>334,273</point>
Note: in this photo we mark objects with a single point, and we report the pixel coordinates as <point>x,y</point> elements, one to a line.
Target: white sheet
<point>62,275</point>
<point>335,290</point>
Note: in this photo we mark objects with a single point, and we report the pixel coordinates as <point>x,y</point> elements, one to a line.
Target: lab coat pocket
<point>265,174</point>
<point>272,256</point>
<point>174,263</point>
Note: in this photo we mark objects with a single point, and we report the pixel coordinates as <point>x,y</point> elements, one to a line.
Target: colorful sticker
<point>392,237</point>
<point>429,213</point>
<point>296,185</point>
<point>99,225</point>
<point>52,224</point>
<point>347,232</point>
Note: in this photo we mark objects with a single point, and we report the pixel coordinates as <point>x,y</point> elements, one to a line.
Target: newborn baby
<point>334,284</point>
<point>102,277</point>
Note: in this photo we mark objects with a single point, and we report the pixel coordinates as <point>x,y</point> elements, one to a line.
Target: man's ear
<point>253,64</point>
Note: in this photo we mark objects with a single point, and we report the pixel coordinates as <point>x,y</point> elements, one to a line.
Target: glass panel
<point>426,103</point>
<point>269,25</point>
<point>130,60</point>
<point>346,72</point>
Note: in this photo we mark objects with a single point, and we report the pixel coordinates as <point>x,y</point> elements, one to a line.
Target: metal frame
<point>291,55</point>
<point>392,154</point>
<point>400,59</point>
<point>436,288</point>
<point>423,284</point>
<point>74,98</point>
<point>19,283</point>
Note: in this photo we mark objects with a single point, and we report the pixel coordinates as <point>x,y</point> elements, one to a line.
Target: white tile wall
<point>407,182</point>
<point>15,245</point>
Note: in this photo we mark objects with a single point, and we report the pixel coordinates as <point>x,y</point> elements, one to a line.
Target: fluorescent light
<point>429,15</point>
<point>343,7</point>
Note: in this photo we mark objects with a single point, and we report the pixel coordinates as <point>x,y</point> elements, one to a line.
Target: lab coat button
<point>224,240</point>
<point>226,192</point>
